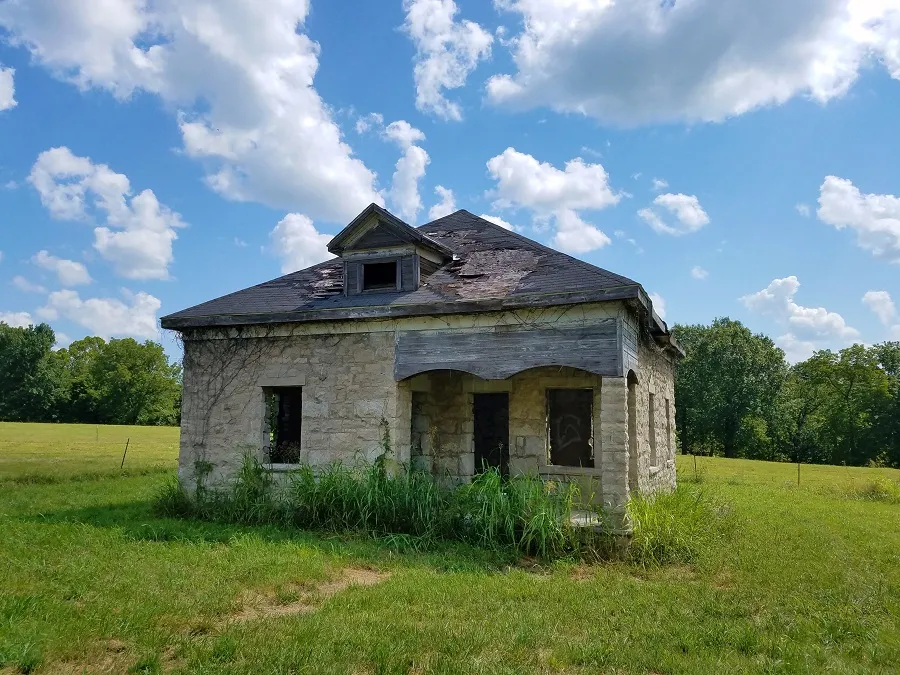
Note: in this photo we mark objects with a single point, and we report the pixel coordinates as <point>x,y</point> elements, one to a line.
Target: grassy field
<point>808,581</point>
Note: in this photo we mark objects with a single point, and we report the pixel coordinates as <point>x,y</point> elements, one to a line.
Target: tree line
<point>90,381</point>
<point>735,393</point>
<point>737,396</point>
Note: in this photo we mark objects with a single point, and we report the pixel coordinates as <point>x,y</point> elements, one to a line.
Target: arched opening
<point>632,432</point>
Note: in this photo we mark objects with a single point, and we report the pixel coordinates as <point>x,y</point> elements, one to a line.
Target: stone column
<point>614,443</point>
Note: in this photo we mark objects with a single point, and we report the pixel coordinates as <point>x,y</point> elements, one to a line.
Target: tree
<point>726,387</point>
<point>30,379</point>
<point>121,382</point>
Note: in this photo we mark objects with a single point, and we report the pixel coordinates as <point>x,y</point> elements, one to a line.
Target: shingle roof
<point>493,268</point>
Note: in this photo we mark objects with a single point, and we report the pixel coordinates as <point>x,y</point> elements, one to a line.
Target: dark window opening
<point>284,416</point>
<point>381,275</point>
<point>491,432</point>
<point>570,425</point>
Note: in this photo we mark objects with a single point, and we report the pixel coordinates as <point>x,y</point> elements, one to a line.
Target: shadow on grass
<point>135,521</point>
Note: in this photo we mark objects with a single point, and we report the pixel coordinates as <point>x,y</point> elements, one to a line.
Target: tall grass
<point>521,513</point>
<point>677,527</point>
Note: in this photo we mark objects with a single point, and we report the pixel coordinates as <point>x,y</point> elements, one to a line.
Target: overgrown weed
<point>407,507</point>
<point>680,527</point>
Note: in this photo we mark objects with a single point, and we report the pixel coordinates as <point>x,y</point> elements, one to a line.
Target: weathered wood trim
<point>619,353</point>
<point>403,309</point>
<point>499,354</point>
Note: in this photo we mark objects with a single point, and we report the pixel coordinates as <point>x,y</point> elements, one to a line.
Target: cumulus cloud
<point>625,62</point>
<point>660,184</point>
<point>549,192</point>
<point>874,218</point>
<point>137,231</point>
<point>447,50</point>
<point>70,272</point>
<point>573,235</point>
<point>404,192</point>
<point>809,328</point>
<point>26,286</point>
<point>496,220</point>
<point>16,319</point>
<point>445,206</point>
<point>524,181</point>
<point>689,215</point>
<point>297,242</point>
<point>403,133</point>
<point>239,75</point>
<point>106,317</point>
<point>7,89</point>
<point>659,305</point>
<point>699,273</point>
<point>881,303</point>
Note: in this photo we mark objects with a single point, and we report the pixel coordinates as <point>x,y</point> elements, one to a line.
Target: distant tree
<point>31,383</point>
<point>726,388</point>
<point>888,417</point>
<point>121,382</point>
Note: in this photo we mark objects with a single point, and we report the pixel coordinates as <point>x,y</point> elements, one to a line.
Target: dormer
<point>382,254</point>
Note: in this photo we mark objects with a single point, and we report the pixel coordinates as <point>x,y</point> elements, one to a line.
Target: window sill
<point>281,468</point>
<point>559,469</point>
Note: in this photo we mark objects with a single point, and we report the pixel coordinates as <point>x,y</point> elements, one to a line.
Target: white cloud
<point>404,193</point>
<point>447,50</point>
<point>106,317</point>
<point>446,206</point>
<point>573,235</point>
<point>62,340</point>
<point>366,122</point>
<point>794,349</point>
<point>137,233</point>
<point>403,134</point>
<point>523,181</point>
<point>7,89</point>
<point>498,221</point>
<point>699,273</point>
<point>686,209</point>
<point>70,273</point>
<point>808,327</point>
<point>626,62</point>
<point>660,184</point>
<point>16,319</point>
<point>874,218</point>
<point>882,305</point>
<point>803,210</point>
<point>659,305</point>
<point>238,75</point>
<point>297,242</point>
<point>26,286</point>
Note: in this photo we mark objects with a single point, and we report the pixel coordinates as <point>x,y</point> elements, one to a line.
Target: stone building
<point>456,345</point>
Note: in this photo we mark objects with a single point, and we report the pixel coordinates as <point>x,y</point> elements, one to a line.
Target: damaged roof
<point>492,268</point>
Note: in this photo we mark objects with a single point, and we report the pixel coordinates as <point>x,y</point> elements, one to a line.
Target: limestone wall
<point>656,376</point>
<point>349,398</point>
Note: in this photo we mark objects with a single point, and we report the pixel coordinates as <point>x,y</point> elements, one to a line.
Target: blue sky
<point>735,158</point>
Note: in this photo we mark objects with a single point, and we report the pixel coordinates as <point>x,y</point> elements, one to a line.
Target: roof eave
<point>179,323</point>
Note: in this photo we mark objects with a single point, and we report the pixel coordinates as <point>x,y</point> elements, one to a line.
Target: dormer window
<point>380,276</point>
<point>382,254</point>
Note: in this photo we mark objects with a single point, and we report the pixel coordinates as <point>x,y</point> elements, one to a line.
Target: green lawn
<point>808,582</point>
<point>49,452</point>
